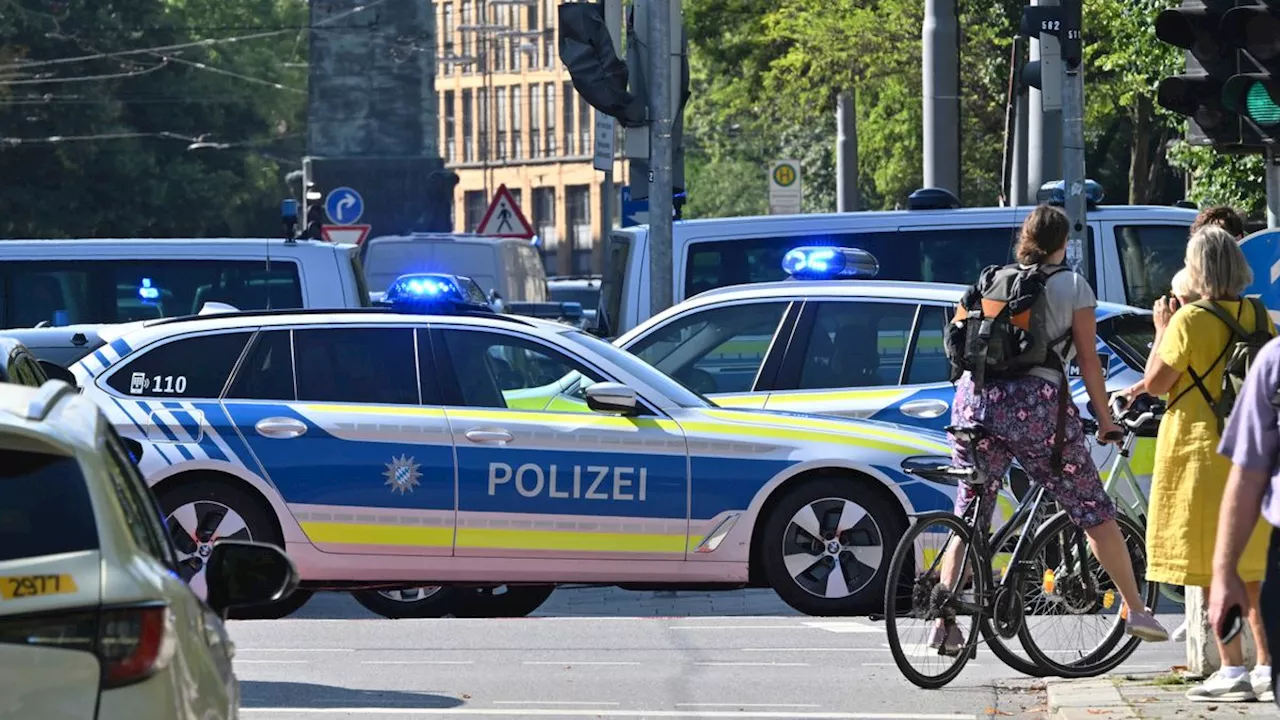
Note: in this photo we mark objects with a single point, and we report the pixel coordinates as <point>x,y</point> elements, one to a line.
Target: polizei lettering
<point>592,482</point>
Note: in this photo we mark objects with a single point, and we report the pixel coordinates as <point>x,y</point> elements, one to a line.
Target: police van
<point>1131,254</point>
<point>87,282</point>
<point>436,442</point>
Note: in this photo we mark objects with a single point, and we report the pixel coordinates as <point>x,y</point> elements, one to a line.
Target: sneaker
<point>1144,626</point>
<point>947,642</point>
<point>1180,633</point>
<point>1220,688</point>
<point>1262,686</point>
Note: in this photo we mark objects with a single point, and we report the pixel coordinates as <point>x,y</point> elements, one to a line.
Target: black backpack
<point>999,332</point>
<point>1241,350</point>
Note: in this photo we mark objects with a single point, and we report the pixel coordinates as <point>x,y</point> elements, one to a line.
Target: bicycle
<point>1141,419</point>
<point>1052,559</point>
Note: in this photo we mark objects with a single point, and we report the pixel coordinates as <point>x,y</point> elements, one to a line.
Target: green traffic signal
<point>1262,108</point>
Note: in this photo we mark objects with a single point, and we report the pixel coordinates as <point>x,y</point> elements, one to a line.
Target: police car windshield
<point>677,393</point>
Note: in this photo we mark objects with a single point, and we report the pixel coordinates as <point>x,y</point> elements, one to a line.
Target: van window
<point>614,280</point>
<point>120,291</point>
<point>1149,257</point>
<point>955,255</point>
<point>535,275</point>
<point>362,286</point>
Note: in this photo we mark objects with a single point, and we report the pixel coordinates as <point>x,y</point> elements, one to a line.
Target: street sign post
<point>785,187</point>
<point>503,218</point>
<point>344,206</point>
<point>353,234</point>
<point>604,131</point>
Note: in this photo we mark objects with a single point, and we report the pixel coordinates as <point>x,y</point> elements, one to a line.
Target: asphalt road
<point>619,666</point>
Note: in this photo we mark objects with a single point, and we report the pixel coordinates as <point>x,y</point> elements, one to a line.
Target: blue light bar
<point>825,263</point>
<point>147,292</point>
<point>1055,193</point>
<point>433,293</point>
<point>289,209</point>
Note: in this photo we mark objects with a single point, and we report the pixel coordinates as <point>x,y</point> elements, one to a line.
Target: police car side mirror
<point>55,371</point>
<point>611,398</point>
<point>241,573</point>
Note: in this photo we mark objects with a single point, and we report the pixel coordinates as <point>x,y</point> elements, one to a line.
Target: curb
<point>1091,698</point>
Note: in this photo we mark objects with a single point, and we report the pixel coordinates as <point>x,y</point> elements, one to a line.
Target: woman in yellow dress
<point>1190,476</point>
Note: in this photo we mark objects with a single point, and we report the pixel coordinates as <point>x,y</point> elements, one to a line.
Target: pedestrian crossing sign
<point>503,218</point>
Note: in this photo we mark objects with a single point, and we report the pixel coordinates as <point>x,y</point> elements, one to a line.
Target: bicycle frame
<point>1121,469</point>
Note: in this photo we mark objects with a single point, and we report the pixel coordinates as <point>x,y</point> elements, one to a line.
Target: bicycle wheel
<point>914,602</point>
<point>1009,649</point>
<point>1174,593</point>
<point>1070,631</point>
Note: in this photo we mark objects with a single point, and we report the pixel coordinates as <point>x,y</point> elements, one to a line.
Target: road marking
<point>844,626</point>
<point>417,662</point>
<point>806,650</point>
<point>324,650</point>
<point>735,627</point>
<point>576,662</point>
<point>751,664</point>
<point>747,705</point>
<point>271,662</point>
<point>552,702</point>
<point>600,712</point>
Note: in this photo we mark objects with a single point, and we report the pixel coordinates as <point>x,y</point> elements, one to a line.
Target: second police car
<point>463,447</point>
<point>830,340</point>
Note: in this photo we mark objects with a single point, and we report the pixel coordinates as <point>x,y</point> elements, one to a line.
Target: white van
<point>101,281</point>
<point>1132,253</point>
<point>509,267</point>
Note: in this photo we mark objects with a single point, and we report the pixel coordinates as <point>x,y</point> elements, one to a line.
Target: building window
<point>517,195</point>
<point>567,130</point>
<point>468,130</point>
<point>551,119</point>
<point>535,121</point>
<point>446,32</point>
<point>577,202</point>
<point>450,129</point>
<point>500,99</point>
<point>548,35</point>
<point>466,34</point>
<point>482,115</point>
<point>517,150</point>
<point>544,216</point>
<point>586,126</point>
<point>474,205</point>
<point>533,17</point>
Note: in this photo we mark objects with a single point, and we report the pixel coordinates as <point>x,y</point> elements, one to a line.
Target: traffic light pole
<point>1073,166</point>
<point>1272,170</point>
<point>661,122</point>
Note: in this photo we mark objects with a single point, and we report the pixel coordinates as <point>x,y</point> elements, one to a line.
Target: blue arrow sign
<point>344,206</point>
<point>634,212</point>
<point>1262,250</point>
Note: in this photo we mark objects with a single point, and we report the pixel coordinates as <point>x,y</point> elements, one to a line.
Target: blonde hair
<point>1216,265</point>
<point>1182,286</point>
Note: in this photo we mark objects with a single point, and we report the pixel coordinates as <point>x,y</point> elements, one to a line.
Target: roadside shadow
<point>281,694</point>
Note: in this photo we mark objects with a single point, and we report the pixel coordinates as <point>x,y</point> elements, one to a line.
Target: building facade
<point>509,116</point>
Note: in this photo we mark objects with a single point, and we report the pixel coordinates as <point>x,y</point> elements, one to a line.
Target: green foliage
<point>132,174</point>
<point>1220,179</point>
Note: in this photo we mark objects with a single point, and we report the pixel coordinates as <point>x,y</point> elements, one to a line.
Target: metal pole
<point>661,208</point>
<point>1045,123</point>
<point>1272,170</point>
<point>846,152</point>
<point>612,21</point>
<point>941,74</point>
<point>1073,144</point>
<point>1018,176</point>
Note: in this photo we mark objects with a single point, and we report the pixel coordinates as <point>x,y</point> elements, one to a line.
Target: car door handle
<point>280,428</point>
<point>490,436</point>
<point>925,409</point>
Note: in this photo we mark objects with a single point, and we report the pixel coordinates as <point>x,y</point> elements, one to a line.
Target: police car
<point>830,340</point>
<point>94,620</point>
<point>387,450</point>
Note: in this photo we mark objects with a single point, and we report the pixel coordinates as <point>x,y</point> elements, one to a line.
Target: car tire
<point>428,601</point>
<point>224,511</point>
<point>861,552</point>
<point>505,601</point>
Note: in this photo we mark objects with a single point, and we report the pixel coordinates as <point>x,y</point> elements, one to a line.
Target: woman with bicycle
<point>1020,416</point>
<point>1189,476</point>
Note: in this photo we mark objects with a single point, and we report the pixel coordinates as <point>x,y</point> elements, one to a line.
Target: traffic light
<point>1253,30</point>
<point>1197,94</point>
<point>598,74</point>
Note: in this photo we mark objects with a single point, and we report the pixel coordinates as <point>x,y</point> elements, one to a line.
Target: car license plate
<point>14,587</point>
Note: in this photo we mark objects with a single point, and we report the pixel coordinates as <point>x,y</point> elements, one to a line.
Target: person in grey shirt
<point>1251,441</point>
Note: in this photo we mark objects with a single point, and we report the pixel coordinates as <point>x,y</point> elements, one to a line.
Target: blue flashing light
<point>1055,193</point>
<point>289,209</point>
<point>433,293</point>
<point>823,263</point>
<point>147,292</point>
